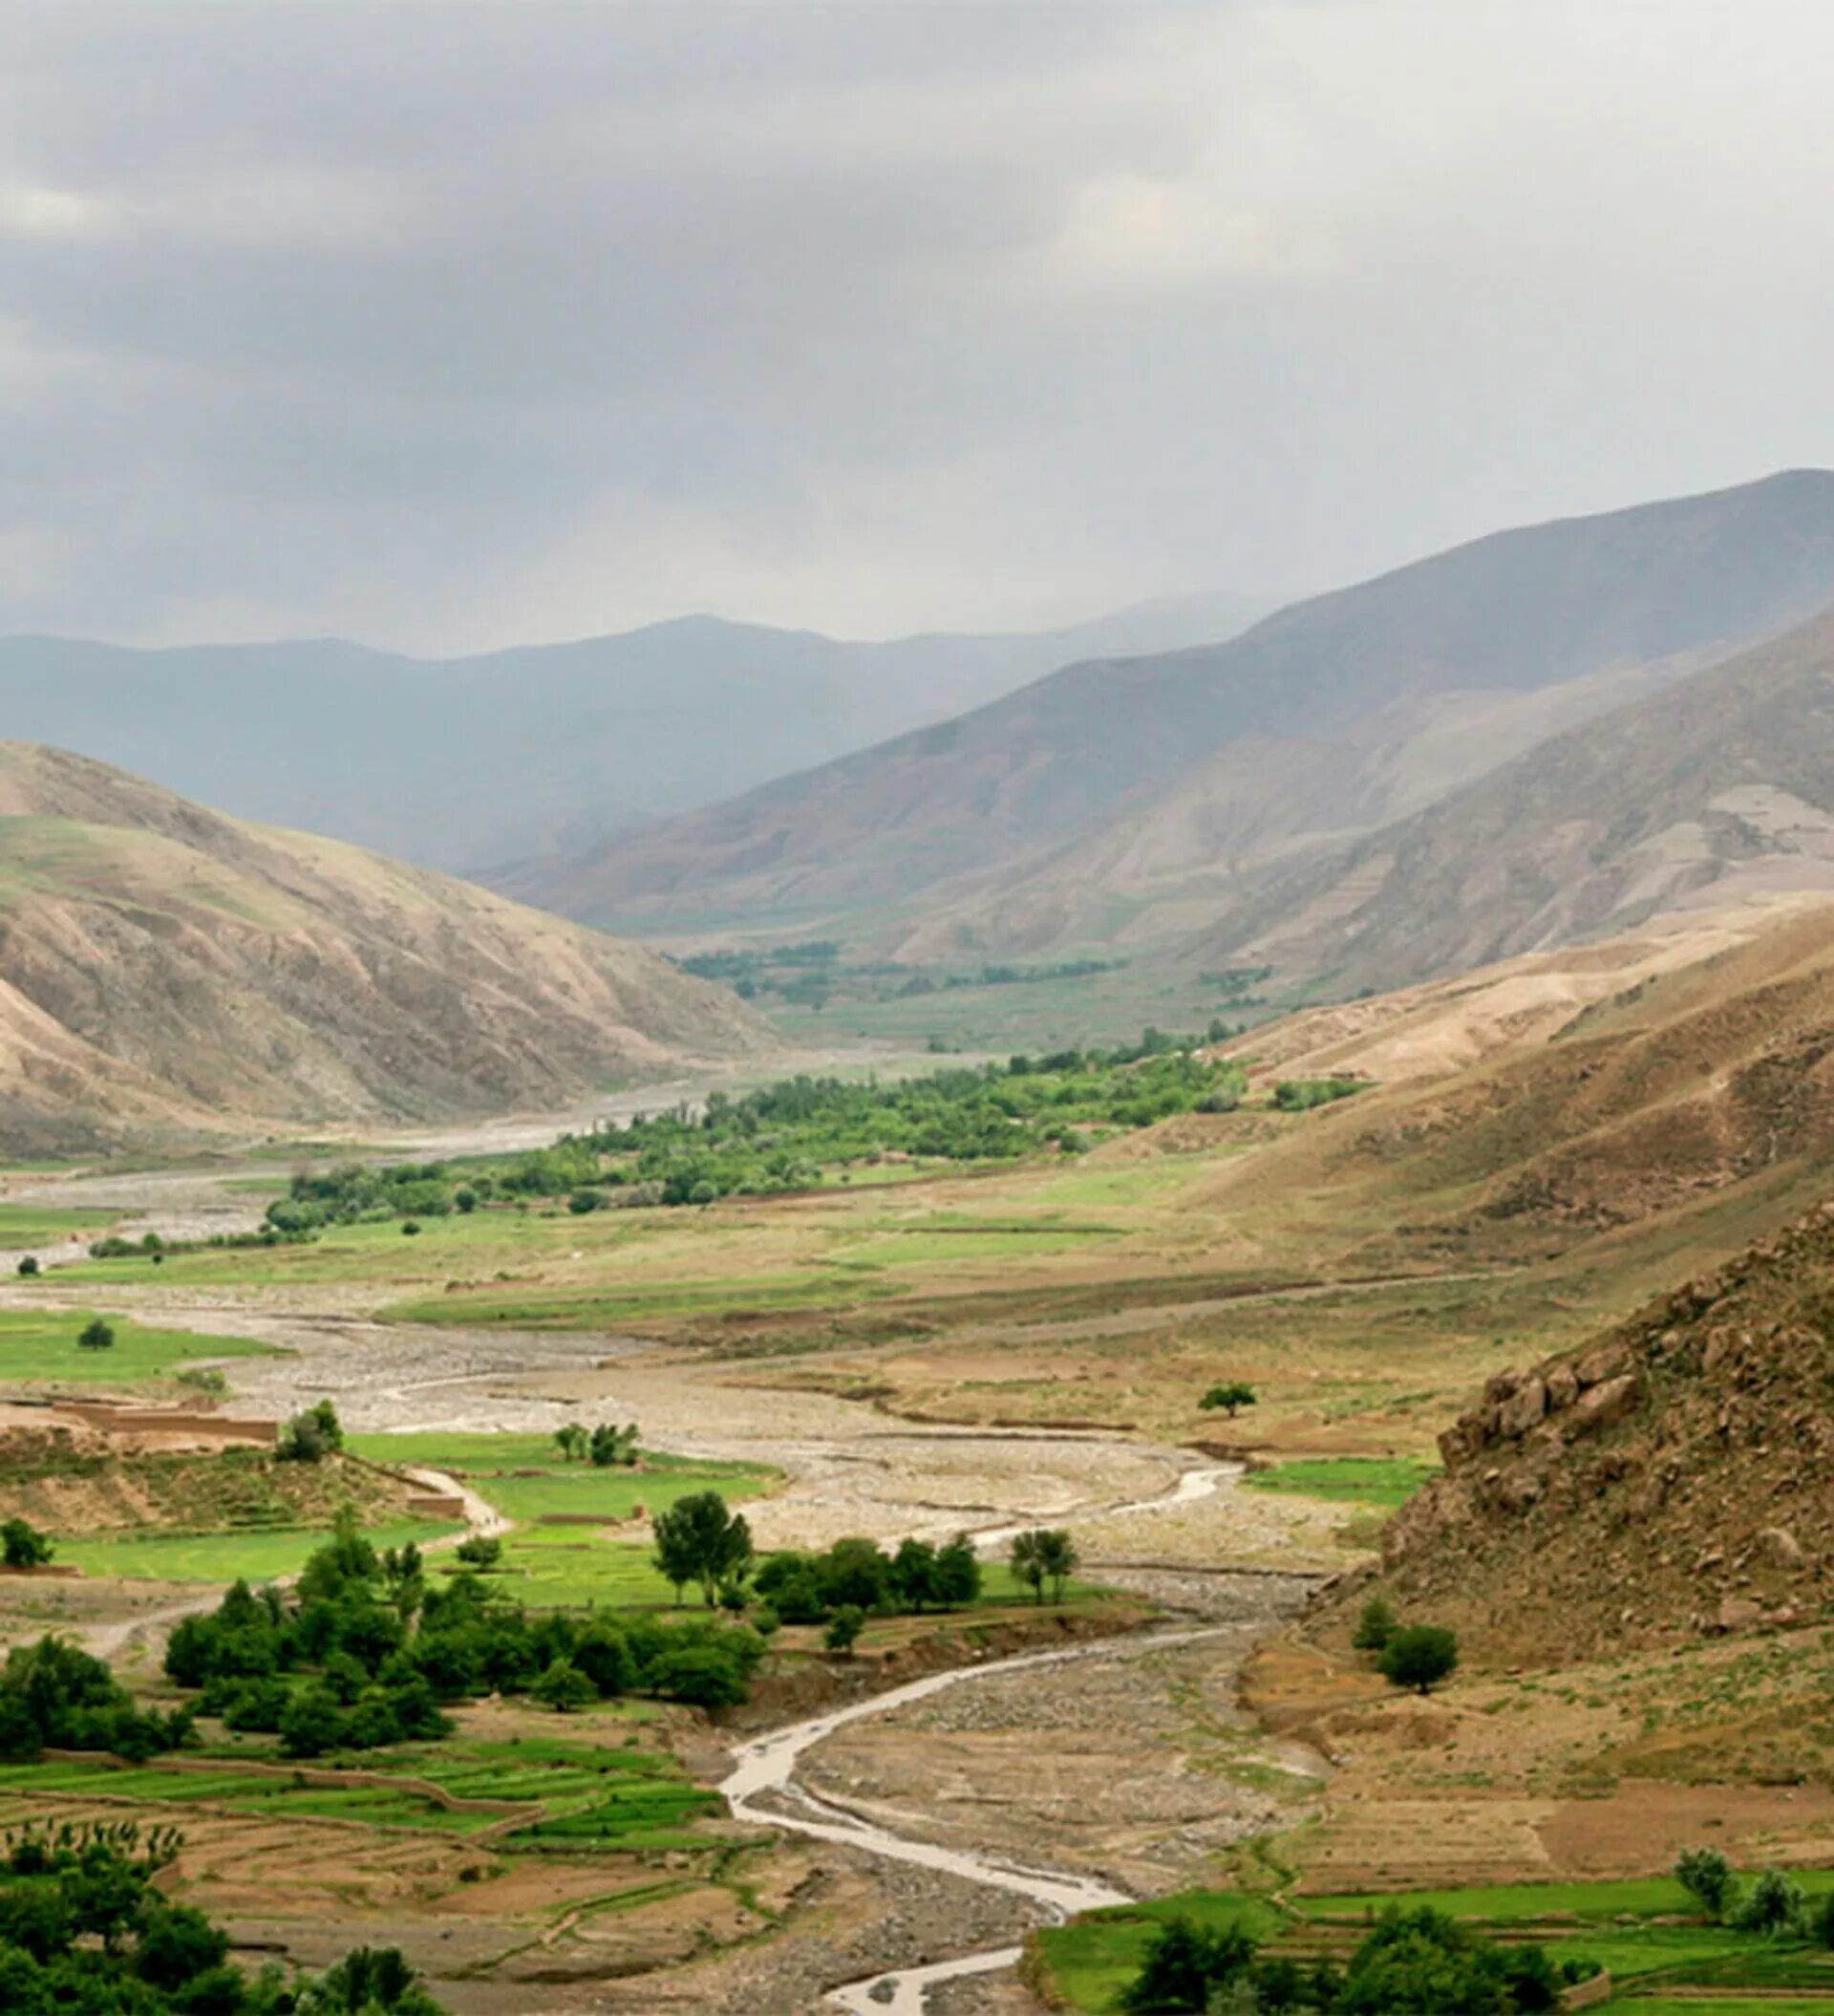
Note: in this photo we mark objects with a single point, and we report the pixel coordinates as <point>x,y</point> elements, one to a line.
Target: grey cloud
<point>448,326</point>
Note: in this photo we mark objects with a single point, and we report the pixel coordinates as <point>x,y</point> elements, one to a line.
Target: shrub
<point>1775,1905</point>
<point>1706,1875</point>
<point>480,1550</point>
<point>844,1628</point>
<point>29,1266</point>
<point>563,1688</point>
<point>22,1546</point>
<point>1420,1656</point>
<point>311,1435</point>
<point>96,1335</point>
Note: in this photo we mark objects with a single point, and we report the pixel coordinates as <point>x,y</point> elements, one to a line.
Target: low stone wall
<point>1588,1994</point>
<point>437,1505</point>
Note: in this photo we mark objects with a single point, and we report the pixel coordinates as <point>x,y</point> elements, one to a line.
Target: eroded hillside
<point>161,965</point>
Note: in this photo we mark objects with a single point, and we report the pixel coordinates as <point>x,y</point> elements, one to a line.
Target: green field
<point>1638,1930</point>
<point>28,1225</point>
<point>1357,1480</point>
<point>225,1556</point>
<point>567,1563</point>
<point>560,1793</point>
<point>43,1349</point>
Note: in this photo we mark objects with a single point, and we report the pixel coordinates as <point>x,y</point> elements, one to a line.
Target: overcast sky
<point>449,326</point>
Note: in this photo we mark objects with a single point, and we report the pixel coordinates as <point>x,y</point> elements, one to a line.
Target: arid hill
<point>1123,800</point>
<point>1718,789</point>
<point>162,966</point>
<point>1674,1478</point>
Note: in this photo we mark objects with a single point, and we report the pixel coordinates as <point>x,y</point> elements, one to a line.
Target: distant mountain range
<point>1137,801</point>
<point>165,968</point>
<point>463,762</point>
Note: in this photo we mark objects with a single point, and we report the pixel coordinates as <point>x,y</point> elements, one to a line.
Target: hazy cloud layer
<point>446,325</point>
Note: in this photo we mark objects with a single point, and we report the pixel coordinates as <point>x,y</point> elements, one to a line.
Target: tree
<point>1230,1395</point>
<point>1027,1560</point>
<point>913,1574</point>
<point>1775,1905</point>
<point>29,1266</point>
<point>313,1434</point>
<point>1706,1875</point>
<point>958,1574</point>
<point>480,1549</point>
<point>23,1545</point>
<point>1043,1555</point>
<point>563,1688</point>
<point>1184,1965</point>
<point>1420,1656</point>
<point>1058,1556</point>
<point>699,1540</point>
<point>1376,1625</point>
<point>574,1441</point>
<point>367,1979</point>
<point>96,1335</point>
<point>844,1628</point>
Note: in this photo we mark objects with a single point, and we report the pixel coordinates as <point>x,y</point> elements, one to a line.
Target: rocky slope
<point>1124,801</point>
<point>1674,1478</point>
<point>1717,790</point>
<point>162,966</point>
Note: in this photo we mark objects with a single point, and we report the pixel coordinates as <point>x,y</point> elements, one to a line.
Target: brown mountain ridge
<point>162,966</point>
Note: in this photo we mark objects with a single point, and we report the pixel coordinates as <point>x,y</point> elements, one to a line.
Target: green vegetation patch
<point>225,1556</point>
<point>24,1225</point>
<point>1360,1480</point>
<point>44,1349</point>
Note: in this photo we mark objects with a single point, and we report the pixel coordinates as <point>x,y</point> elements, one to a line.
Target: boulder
<point>1611,1401</point>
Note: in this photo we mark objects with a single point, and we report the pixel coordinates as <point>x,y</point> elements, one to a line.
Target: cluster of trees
<point>366,1650</point>
<point>355,1194</point>
<point>859,1576</point>
<point>808,973</point>
<point>1419,1960</point>
<point>1774,1907</point>
<point>1044,1555</point>
<point>1414,1656</point>
<point>607,1445</point>
<point>54,1695</point>
<point>85,1931</point>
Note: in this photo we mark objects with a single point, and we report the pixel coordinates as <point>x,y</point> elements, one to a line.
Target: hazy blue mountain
<point>461,762</point>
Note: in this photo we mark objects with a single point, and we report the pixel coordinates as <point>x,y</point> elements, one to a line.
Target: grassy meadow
<point>41,1349</point>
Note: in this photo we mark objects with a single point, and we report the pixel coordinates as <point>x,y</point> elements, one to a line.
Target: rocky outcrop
<point>1675,1477</point>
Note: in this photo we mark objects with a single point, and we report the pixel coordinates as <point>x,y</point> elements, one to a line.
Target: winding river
<point>761,1786</point>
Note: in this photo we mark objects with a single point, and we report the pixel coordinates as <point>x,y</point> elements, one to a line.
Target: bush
<point>96,1335</point>
<point>1775,1906</point>
<point>1420,1656</point>
<point>563,1688</point>
<point>480,1550</point>
<point>844,1628</point>
<point>29,1266</point>
<point>1706,1875</point>
<point>22,1546</point>
<point>311,1435</point>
